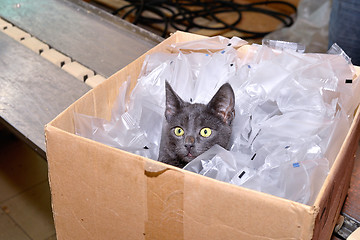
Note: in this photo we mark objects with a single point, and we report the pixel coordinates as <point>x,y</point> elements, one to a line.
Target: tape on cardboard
<point>152,168</point>
<point>165,202</point>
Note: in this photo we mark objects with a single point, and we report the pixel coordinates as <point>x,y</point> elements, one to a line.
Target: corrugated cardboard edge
<point>201,208</point>
<point>334,190</point>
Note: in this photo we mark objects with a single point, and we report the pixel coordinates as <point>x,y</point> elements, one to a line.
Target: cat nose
<point>189,142</point>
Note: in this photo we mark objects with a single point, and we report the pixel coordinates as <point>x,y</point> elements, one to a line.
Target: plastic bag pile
<point>293,111</point>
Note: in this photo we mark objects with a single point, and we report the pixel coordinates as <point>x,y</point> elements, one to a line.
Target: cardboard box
<point>99,192</point>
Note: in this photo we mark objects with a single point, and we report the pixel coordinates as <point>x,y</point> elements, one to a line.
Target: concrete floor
<point>25,207</point>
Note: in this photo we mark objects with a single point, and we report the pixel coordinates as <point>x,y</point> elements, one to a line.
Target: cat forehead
<point>189,114</point>
<point>195,114</point>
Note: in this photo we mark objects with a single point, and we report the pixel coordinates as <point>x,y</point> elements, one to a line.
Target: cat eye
<point>179,131</point>
<point>205,132</point>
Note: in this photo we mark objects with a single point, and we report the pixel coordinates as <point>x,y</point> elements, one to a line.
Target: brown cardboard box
<point>99,192</point>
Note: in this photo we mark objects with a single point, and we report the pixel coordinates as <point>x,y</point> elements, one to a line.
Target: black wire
<point>139,12</point>
<point>181,17</point>
<point>122,8</point>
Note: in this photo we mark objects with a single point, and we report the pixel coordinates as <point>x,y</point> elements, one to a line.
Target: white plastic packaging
<point>292,112</point>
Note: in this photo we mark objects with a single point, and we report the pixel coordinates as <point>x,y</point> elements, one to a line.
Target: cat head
<point>192,129</point>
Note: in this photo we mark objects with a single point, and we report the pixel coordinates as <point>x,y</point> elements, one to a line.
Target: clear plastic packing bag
<point>293,111</point>
<point>310,27</point>
<point>282,45</point>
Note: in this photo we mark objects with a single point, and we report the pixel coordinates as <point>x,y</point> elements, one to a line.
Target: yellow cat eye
<point>179,131</point>
<point>205,132</point>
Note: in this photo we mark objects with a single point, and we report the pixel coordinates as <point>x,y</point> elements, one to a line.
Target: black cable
<point>185,14</point>
<point>139,11</point>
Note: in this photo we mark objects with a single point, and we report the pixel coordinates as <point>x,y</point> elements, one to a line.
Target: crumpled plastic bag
<point>293,111</point>
<point>311,27</point>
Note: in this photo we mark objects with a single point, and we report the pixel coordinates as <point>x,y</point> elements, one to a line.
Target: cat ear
<point>223,103</point>
<point>173,102</point>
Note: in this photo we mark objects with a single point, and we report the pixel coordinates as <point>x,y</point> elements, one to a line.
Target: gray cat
<point>191,129</point>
